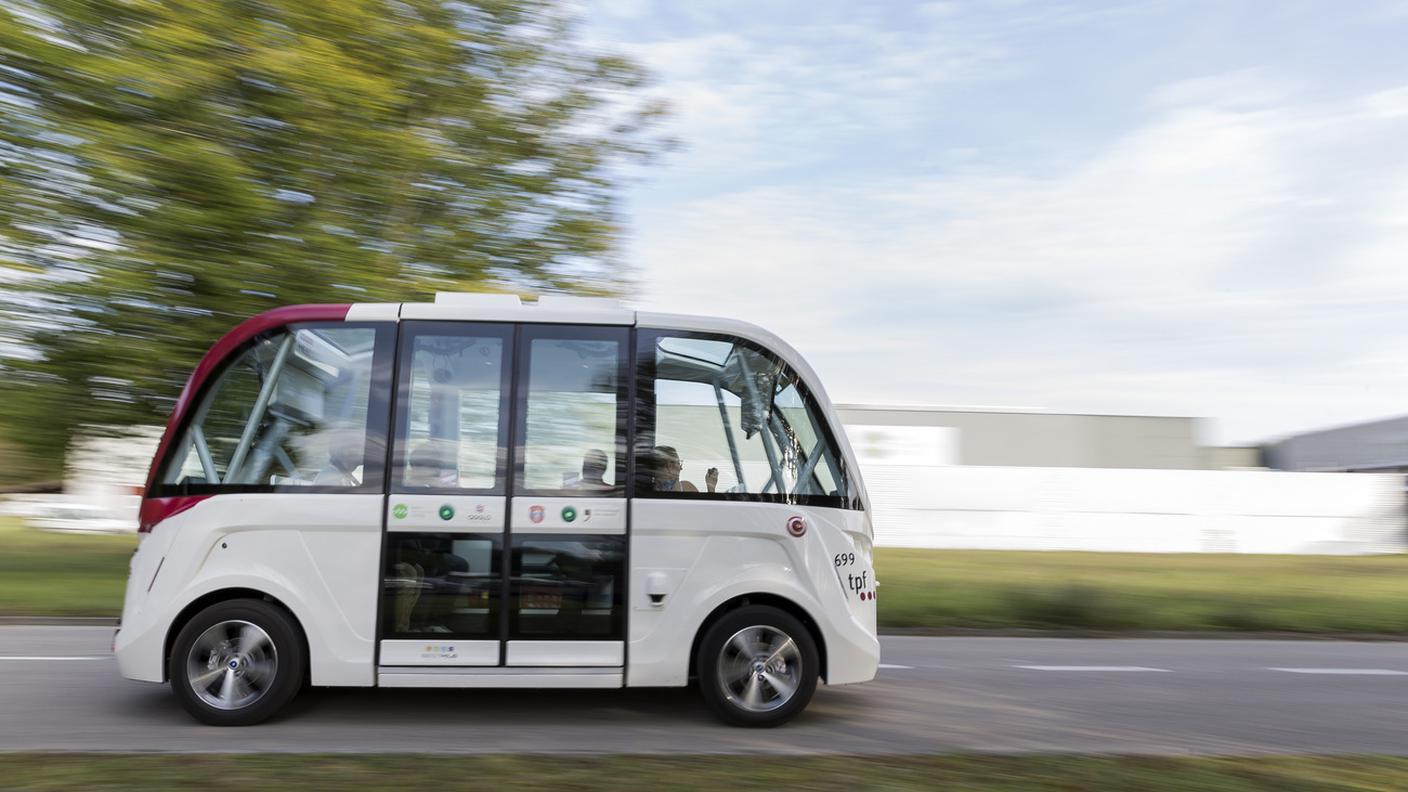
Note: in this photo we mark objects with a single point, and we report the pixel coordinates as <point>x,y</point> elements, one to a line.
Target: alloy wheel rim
<point>760,668</point>
<point>232,664</point>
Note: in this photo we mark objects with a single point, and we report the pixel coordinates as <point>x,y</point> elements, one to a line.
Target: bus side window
<point>452,423</point>
<point>573,394</point>
<point>719,417</point>
<point>293,409</point>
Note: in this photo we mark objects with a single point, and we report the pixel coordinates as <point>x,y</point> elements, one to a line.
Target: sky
<point>1166,208</point>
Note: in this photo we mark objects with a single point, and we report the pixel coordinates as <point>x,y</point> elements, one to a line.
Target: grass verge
<point>42,772</point>
<point>43,573</point>
<point>1145,591</point>
<point>49,574</point>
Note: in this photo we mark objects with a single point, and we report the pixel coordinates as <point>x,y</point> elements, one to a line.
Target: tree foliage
<point>169,167</point>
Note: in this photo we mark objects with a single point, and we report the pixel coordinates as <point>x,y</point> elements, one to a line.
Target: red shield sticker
<point>535,513</point>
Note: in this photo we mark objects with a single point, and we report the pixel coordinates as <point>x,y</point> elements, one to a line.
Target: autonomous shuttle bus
<point>483,492</point>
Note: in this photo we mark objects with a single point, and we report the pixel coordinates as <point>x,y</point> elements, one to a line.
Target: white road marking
<point>1343,671</point>
<point>1093,668</point>
<point>46,659</point>
<point>906,668</point>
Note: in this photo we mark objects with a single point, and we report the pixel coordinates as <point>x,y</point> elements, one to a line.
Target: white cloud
<point>773,96</point>
<point>1243,255</point>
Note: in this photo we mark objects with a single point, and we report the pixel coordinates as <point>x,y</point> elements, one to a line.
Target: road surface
<point>59,690</point>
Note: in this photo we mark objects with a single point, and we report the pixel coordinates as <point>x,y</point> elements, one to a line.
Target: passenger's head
<point>431,465</point>
<point>667,466</point>
<point>594,464</point>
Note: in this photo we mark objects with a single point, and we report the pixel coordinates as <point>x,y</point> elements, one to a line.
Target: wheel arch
<point>216,597</point>
<point>760,598</point>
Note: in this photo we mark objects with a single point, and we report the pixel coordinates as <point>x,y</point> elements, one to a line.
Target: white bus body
<point>479,492</point>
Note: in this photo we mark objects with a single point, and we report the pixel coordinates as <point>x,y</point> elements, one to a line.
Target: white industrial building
<point>1021,480</point>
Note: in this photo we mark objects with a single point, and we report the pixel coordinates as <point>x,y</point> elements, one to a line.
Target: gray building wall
<point>1232,457</point>
<point>1051,439</point>
<point>1376,445</point>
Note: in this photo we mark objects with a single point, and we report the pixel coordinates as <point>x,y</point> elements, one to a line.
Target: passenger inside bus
<point>344,460</point>
<point>428,577</point>
<point>431,465</point>
<point>594,465</point>
<point>667,471</point>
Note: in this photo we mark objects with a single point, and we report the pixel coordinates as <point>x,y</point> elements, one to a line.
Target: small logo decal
<point>796,525</point>
<point>568,514</point>
<point>535,514</point>
<point>399,511</point>
<point>447,512</point>
<point>439,652</point>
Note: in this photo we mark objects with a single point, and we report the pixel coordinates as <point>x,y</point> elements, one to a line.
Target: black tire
<point>255,692</point>
<point>723,658</point>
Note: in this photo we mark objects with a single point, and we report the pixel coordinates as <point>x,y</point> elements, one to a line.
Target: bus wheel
<point>757,666</point>
<point>237,662</point>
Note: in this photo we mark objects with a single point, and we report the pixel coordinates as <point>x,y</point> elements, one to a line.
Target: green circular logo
<point>447,512</point>
<point>399,511</point>
<point>568,514</point>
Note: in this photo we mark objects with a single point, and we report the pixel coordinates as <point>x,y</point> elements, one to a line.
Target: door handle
<point>656,584</point>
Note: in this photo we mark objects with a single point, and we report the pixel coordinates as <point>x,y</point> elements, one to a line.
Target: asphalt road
<point>59,690</point>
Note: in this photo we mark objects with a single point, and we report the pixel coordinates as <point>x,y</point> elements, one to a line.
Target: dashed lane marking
<point>47,659</point>
<point>1343,671</point>
<point>1117,669</point>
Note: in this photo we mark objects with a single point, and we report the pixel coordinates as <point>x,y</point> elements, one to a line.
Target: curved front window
<point>301,407</point>
<point>721,418</point>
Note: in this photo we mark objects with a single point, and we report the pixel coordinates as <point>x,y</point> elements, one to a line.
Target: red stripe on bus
<point>154,510</point>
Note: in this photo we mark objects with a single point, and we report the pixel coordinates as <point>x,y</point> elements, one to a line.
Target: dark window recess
<point>444,585</point>
<point>568,587</point>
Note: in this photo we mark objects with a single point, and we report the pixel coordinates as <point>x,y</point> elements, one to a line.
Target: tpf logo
<point>535,514</point>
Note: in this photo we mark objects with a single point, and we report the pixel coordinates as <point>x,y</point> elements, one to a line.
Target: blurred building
<point>1005,479</point>
<point>1373,446</point>
<point>1016,438</point>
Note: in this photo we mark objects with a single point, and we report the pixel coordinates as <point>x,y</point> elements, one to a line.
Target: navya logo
<point>439,651</point>
<point>400,510</point>
<point>479,514</point>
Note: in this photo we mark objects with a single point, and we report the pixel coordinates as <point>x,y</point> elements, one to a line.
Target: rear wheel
<point>757,666</point>
<point>238,662</point>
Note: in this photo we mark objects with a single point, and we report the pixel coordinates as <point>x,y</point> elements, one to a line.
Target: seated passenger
<point>594,465</point>
<point>667,471</point>
<point>431,465</point>
<point>344,457</point>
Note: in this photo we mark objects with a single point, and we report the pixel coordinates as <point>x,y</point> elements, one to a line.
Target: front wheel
<point>757,666</point>
<point>238,662</point>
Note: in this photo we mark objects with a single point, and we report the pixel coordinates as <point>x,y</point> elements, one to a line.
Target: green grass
<point>49,574</point>
<point>43,573</point>
<point>625,773</point>
<point>1122,591</point>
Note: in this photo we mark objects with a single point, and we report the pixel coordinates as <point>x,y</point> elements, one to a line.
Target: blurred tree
<point>170,167</point>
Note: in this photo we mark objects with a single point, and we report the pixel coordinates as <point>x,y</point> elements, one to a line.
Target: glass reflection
<point>568,587</point>
<point>445,584</point>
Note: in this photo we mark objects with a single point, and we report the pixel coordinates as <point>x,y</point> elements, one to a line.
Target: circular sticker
<point>796,525</point>
<point>399,511</point>
<point>568,514</point>
<point>447,512</point>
